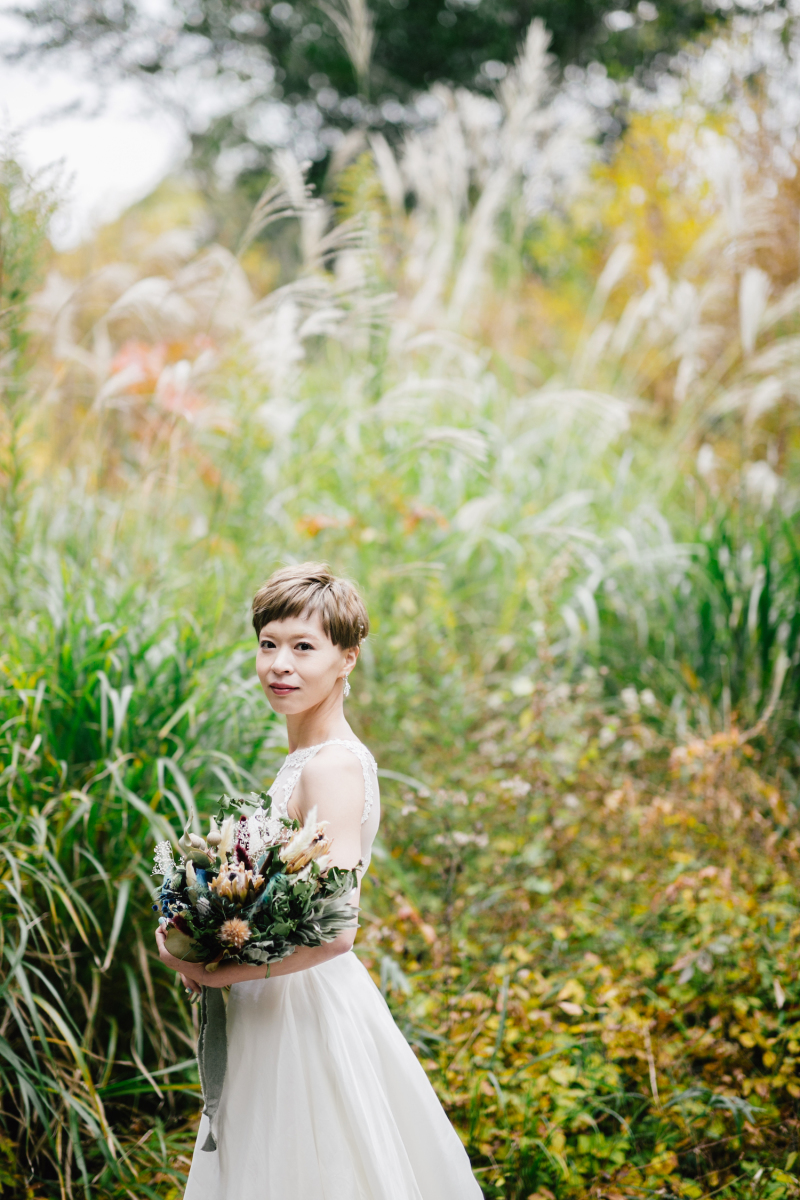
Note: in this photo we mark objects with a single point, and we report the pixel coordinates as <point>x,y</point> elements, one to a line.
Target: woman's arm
<point>195,975</point>
<point>333,783</point>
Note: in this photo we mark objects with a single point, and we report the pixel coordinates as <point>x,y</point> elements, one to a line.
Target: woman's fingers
<point>190,984</point>
<point>163,952</point>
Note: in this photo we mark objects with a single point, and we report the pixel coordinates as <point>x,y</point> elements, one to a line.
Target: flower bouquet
<point>252,890</point>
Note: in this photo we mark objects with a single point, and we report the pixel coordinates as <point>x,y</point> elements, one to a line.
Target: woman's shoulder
<point>337,756</point>
<point>333,776</point>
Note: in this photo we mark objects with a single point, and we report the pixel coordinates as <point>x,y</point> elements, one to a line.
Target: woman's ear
<point>350,657</point>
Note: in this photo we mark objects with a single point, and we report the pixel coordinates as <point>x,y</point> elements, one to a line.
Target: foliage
<point>109,715</point>
<point>611,1010</point>
<point>570,498</point>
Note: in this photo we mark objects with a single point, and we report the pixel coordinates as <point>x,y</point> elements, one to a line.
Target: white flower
<point>266,831</point>
<point>165,861</point>
<point>306,845</point>
<point>227,836</point>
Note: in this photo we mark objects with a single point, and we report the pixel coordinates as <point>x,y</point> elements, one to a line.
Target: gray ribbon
<point>212,1057</point>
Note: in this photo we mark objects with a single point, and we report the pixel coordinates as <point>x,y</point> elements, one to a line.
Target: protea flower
<point>234,933</point>
<point>308,843</point>
<point>237,883</point>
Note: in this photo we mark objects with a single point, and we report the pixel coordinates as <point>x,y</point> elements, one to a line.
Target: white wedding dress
<point>323,1097</point>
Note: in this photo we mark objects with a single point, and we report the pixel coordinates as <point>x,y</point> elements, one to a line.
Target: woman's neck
<point>323,723</point>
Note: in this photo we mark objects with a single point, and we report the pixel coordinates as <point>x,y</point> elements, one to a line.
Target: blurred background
<point>496,308</point>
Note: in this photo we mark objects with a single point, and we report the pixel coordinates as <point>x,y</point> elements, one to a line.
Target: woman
<point>323,1098</point>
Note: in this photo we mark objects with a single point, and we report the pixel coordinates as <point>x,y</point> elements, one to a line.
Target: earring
<point>346,688</point>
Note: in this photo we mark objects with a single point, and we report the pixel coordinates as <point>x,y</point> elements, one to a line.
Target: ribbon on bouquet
<point>212,1057</point>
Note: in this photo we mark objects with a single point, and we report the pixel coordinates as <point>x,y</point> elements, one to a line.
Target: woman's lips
<point>282,689</point>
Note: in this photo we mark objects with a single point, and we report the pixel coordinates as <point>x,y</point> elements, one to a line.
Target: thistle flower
<point>234,933</point>
<point>308,843</point>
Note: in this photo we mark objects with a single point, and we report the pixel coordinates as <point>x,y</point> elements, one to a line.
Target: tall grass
<point>115,713</point>
<point>577,537</point>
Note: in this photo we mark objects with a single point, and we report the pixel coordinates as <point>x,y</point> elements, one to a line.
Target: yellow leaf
<point>558,1141</point>
<point>572,990</point>
<point>663,1164</point>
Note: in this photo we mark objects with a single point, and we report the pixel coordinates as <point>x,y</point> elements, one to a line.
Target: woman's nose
<point>282,661</point>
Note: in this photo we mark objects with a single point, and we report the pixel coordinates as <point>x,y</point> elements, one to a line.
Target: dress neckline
<point>330,742</point>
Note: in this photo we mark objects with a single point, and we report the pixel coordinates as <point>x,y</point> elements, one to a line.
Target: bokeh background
<point>496,308</point>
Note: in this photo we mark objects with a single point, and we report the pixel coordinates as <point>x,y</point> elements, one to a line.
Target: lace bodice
<point>292,766</point>
<point>286,781</point>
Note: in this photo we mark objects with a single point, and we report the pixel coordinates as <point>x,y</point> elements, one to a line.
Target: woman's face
<point>298,665</point>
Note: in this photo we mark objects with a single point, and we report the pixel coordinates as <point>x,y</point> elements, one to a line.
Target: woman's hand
<point>187,971</point>
<point>194,976</point>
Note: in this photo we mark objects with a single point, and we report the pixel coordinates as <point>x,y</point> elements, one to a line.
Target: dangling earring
<point>346,688</point>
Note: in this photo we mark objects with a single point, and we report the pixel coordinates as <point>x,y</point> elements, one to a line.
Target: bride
<point>323,1097</point>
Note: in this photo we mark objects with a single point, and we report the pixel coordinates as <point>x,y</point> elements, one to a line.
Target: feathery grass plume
<point>355,25</point>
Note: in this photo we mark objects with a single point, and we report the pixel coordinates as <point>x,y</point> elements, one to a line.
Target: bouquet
<point>252,890</point>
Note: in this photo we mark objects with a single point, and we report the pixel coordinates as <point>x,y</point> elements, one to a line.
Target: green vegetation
<point>557,452</point>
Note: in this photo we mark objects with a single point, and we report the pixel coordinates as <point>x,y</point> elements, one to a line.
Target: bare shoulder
<point>332,779</point>
<point>332,761</point>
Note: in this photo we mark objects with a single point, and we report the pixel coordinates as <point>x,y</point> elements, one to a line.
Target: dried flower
<point>266,831</point>
<point>234,933</point>
<point>165,861</point>
<point>227,836</point>
<point>308,843</point>
<point>237,883</point>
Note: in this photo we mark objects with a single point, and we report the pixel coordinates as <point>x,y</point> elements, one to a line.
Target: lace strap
<point>286,779</point>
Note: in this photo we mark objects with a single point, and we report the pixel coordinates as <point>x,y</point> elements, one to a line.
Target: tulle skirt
<point>325,1100</point>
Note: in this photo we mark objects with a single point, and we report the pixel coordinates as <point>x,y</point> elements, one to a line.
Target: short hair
<point>307,588</point>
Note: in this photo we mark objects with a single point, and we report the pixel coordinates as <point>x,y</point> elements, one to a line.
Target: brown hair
<point>307,588</point>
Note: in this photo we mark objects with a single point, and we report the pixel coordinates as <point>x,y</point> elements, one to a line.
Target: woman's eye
<point>267,645</point>
<point>304,646</point>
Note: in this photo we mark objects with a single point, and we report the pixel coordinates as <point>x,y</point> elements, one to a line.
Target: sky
<point>107,156</point>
